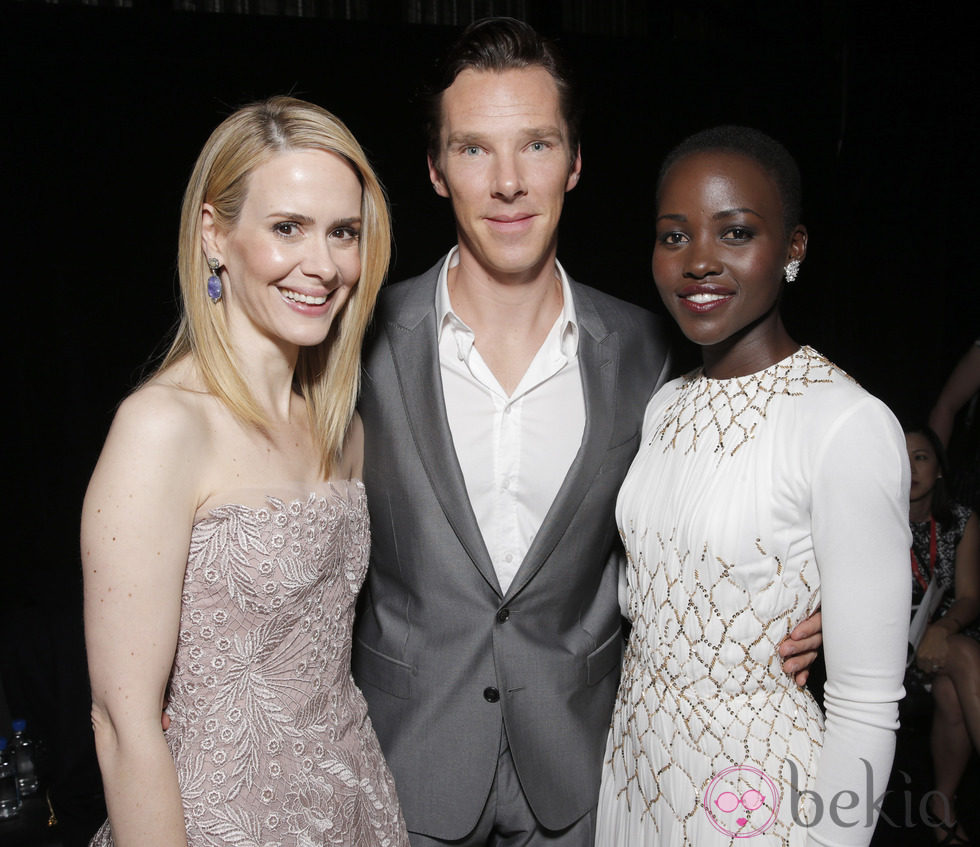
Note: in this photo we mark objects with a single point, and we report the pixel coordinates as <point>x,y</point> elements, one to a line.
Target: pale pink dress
<point>270,735</point>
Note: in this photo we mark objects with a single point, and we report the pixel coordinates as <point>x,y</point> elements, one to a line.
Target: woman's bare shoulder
<point>156,461</point>
<point>170,412</point>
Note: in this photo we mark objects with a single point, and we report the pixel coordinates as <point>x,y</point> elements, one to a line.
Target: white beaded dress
<point>270,736</point>
<point>751,502</point>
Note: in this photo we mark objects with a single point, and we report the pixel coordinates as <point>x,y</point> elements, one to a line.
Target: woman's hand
<point>931,655</point>
<point>934,647</point>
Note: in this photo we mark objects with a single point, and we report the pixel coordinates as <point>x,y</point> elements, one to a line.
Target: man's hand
<point>799,649</point>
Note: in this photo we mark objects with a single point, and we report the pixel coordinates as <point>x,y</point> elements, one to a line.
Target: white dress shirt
<point>514,451</point>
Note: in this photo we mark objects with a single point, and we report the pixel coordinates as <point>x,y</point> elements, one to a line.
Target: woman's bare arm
<point>962,384</point>
<point>136,525</point>
<point>932,652</point>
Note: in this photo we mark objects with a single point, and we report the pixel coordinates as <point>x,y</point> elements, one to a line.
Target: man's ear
<point>436,178</point>
<point>575,171</point>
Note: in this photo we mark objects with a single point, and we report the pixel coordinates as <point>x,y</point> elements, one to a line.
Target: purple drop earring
<point>214,281</point>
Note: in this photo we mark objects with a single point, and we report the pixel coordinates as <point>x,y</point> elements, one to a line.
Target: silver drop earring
<point>791,270</point>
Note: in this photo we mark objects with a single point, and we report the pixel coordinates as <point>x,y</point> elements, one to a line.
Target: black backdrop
<point>106,110</point>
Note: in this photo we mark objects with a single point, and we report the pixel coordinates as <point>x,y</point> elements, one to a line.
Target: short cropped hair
<point>772,156</point>
<point>501,44</point>
<point>327,375</point>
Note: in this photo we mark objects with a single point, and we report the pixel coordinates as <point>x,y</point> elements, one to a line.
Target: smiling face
<point>291,259</point>
<point>505,164</point>
<point>718,259</point>
<point>925,467</point>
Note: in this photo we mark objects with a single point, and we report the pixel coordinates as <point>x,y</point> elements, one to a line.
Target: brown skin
<point>720,226</point>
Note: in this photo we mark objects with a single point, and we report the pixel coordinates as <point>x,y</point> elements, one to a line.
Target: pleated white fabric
<point>751,502</point>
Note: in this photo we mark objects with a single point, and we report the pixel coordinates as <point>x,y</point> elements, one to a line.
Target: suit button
<point>503,615</point>
<point>491,695</point>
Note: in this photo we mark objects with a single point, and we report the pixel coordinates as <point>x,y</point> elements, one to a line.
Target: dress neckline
<point>803,354</point>
<point>256,498</point>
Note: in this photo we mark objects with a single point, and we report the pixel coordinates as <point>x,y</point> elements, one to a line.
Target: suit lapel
<point>415,353</point>
<point>598,353</point>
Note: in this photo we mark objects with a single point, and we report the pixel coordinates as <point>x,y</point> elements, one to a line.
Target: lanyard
<point>916,570</point>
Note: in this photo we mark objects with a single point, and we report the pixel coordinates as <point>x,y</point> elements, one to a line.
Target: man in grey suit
<point>502,404</point>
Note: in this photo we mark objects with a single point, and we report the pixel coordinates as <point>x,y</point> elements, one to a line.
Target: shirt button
<point>503,615</point>
<point>491,695</point>
<point>509,557</point>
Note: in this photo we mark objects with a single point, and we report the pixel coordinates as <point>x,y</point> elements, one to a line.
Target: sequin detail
<point>722,415</point>
<point>713,586</point>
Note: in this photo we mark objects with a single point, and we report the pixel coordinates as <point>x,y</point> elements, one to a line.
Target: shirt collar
<point>445,316</point>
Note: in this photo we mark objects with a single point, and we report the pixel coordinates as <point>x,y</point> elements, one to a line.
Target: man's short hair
<point>501,44</point>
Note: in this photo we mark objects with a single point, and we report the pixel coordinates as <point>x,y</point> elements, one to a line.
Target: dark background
<point>106,109</point>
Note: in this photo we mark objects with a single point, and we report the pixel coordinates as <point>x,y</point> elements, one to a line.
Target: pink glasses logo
<point>741,802</point>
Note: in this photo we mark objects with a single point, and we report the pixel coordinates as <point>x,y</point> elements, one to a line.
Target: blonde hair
<point>327,375</point>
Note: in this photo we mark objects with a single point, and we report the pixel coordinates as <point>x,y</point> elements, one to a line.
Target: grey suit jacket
<point>445,659</point>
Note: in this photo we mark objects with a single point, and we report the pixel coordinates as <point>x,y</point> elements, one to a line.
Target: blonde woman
<point>225,531</point>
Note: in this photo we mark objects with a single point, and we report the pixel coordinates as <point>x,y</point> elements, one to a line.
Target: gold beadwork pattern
<point>726,698</point>
<point>703,691</point>
<point>737,406</point>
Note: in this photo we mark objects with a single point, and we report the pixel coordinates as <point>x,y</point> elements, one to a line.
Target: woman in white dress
<point>767,483</point>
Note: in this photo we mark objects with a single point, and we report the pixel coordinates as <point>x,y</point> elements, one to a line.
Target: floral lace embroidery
<point>270,736</point>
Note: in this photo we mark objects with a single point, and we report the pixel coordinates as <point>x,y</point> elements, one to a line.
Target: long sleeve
<point>861,542</point>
